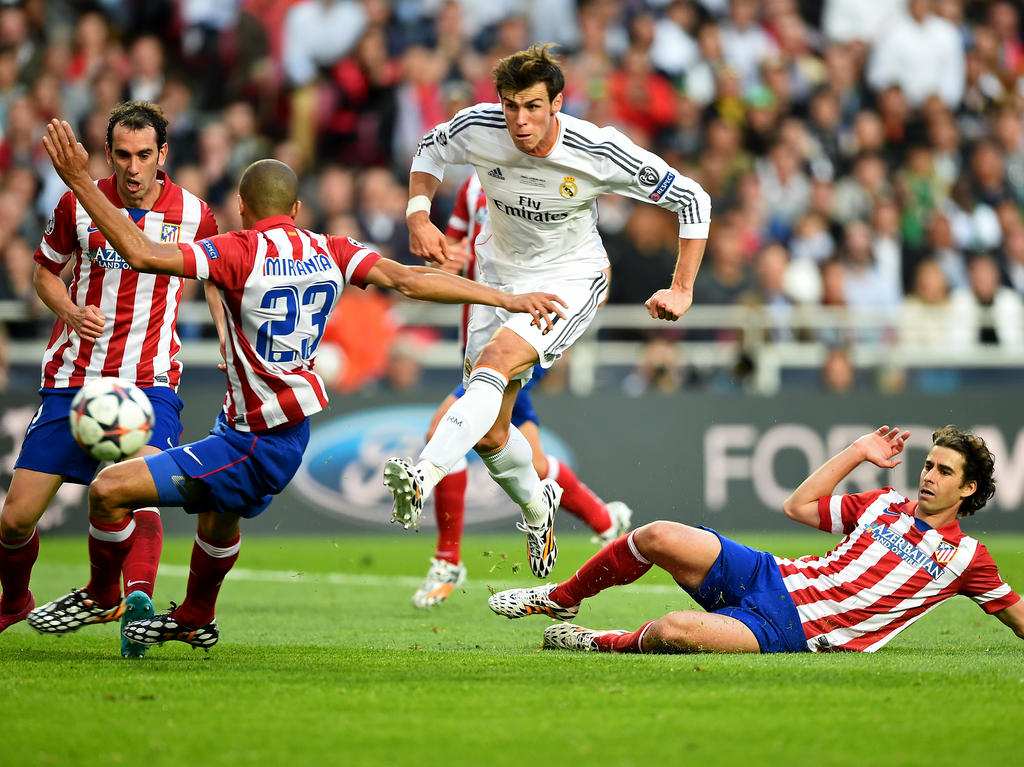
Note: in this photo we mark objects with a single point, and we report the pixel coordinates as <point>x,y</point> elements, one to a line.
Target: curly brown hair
<point>979,465</point>
<point>524,69</point>
<point>136,115</point>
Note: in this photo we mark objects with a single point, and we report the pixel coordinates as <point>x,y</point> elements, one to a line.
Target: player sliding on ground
<point>899,560</point>
<point>277,284</point>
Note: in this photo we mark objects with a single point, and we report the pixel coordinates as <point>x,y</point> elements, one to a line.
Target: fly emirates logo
<point>529,209</point>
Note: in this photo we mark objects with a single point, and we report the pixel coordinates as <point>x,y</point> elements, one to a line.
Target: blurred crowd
<point>859,153</point>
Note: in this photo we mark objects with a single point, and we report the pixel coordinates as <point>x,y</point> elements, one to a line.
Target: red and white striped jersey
<point>139,340</point>
<point>889,570</point>
<point>278,285</point>
<point>467,220</point>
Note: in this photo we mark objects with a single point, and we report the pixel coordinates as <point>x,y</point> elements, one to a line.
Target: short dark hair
<point>979,465</point>
<point>269,188</point>
<point>525,69</point>
<point>136,115</point>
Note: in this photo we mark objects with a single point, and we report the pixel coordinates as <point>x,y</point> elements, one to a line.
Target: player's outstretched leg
<point>518,603</point>
<point>569,636</point>
<point>442,579</point>
<point>71,612</point>
<point>541,546</point>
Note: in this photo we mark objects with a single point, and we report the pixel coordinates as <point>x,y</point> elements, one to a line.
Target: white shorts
<point>583,296</point>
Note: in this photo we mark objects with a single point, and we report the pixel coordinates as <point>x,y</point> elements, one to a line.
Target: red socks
<point>577,498</point>
<point>211,561</point>
<point>631,641</point>
<point>16,561</point>
<point>450,510</point>
<point>108,546</point>
<point>616,564</point>
<point>143,558</point>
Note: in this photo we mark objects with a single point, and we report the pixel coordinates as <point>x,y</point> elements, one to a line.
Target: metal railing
<point>711,337</point>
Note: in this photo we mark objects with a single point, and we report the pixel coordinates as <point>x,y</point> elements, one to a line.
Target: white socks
<point>465,423</point>
<point>512,468</point>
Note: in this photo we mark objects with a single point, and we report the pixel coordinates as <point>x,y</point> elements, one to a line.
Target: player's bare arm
<point>1013,616</point>
<point>426,241</point>
<point>217,314</point>
<point>673,302</point>
<point>881,447</point>
<point>429,284</point>
<point>87,321</point>
<point>71,162</point>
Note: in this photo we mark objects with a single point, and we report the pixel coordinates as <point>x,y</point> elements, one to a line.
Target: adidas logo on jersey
<point>496,173</point>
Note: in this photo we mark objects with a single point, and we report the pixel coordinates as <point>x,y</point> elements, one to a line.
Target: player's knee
<point>678,631</point>
<point>15,528</point>
<point>18,518</point>
<point>104,495</point>
<point>217,527</point>
<point>656,539</point>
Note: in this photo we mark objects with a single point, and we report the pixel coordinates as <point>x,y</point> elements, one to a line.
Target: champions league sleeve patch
<point>211,249</point>
<point>49,226</point>
<point>663,186</point>
<point>648,176</point>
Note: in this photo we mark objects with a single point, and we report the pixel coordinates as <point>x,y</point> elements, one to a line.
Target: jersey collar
<point>274,222</point>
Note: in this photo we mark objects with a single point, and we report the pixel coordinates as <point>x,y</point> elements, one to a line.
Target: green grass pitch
<point>323,660</point>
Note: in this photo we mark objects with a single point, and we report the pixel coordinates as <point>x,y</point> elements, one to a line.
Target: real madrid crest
<point>568,189</point>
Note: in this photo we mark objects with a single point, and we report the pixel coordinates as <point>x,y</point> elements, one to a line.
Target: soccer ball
<point>111,418</point>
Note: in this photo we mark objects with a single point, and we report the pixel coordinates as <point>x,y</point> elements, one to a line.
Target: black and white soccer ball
<point>111,418</point>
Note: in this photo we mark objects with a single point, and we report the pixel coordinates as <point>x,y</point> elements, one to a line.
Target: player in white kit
<point>542,172</point>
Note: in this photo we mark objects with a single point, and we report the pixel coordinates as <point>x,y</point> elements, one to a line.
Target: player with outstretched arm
<point>899,560</point>
<point>111,321</point>
<point>277,284</point>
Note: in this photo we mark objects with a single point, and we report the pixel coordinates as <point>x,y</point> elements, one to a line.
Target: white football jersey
<point>543,210</point>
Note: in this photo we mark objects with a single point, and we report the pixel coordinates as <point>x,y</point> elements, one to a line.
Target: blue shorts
<point>522,410</point>
<point>746,584</point>
<point>49,447</point>
<point>231,471</point>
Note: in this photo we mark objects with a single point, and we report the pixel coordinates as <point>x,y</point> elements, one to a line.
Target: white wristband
<point>418,203</point>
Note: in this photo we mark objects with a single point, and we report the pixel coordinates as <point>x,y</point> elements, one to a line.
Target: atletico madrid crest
<point>169,232</point>
<point>944,553</point>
